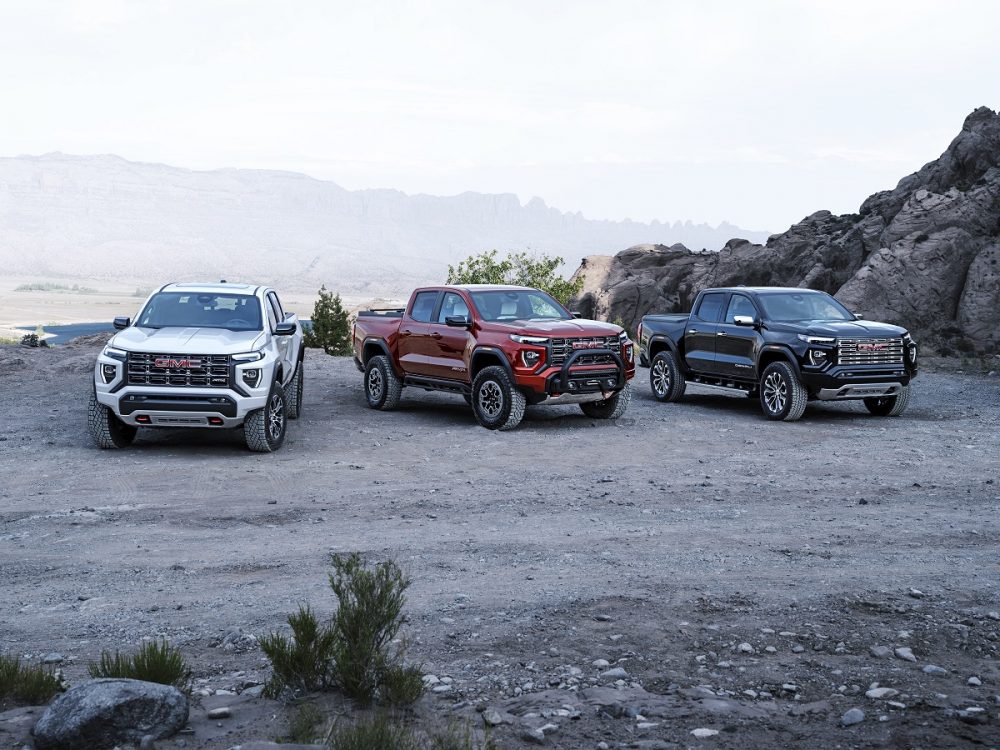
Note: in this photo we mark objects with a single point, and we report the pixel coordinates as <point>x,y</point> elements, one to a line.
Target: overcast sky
<point>754,112</point>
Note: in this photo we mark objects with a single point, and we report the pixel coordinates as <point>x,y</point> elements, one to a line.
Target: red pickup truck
<point>501,347</point>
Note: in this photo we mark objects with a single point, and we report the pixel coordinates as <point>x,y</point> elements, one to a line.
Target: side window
<point>453,304</point>
<point>740,305</point>
<point>278,309</point>
<point>423,306</point>
<point>271,319</point>
<point>710,307</point>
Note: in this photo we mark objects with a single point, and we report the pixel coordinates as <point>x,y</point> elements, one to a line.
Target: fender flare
<point>480,351</point>
<point>785,352</point>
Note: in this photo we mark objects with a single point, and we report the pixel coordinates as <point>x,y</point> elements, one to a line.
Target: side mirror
<point>458,321</point>
<point>576,314</point>
<point>121,323</point>
<point>858,316</point>
<point>747,321</point>
<point>285,329</point>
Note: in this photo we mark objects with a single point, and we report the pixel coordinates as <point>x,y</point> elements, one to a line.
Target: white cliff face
<point>104,217</point>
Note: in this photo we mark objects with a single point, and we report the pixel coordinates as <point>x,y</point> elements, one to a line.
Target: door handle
<point>435,335</point>
<point>405,332</point>
<point>721,333</point>
<point>692,330</point>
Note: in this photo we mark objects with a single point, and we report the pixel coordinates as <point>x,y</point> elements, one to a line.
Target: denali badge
<point>176,364</point>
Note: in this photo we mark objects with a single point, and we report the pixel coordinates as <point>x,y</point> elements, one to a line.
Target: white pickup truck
<point>201,355</point>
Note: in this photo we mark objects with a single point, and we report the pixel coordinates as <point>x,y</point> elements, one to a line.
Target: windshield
<point>803,306</point>
<point>235,312</point>
<point>518,305</point>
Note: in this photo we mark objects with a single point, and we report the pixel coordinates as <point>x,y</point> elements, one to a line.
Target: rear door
<point>736,346</point>
<point>415,344</point>
<point>449,344</point>
<point>699,335</point>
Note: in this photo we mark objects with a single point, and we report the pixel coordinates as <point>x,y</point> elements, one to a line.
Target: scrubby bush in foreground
<point>28,684</point>
<point>153,662</point>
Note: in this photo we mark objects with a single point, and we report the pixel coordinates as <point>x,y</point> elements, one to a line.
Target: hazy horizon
<point>753,114</point>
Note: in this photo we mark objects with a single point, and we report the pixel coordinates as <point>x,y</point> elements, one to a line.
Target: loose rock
<point>853,716</point>
<point>905,654</point>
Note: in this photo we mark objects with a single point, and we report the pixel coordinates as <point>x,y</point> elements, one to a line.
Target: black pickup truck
<point>783,346</point>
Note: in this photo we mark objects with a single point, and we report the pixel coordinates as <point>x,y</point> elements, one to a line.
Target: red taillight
<point>215,421</point>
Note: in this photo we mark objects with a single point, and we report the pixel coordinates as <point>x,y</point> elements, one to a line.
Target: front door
<point>736,346</point>
<point>450,345</point>
<point>699,336</point>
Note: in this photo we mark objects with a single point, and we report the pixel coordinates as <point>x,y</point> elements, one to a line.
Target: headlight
<point>119,354</point>
<point>248,357</point>
<point>817,339</point>
<point>108,373</point>
<point>817,356</point>
<point>536,340</point>
<point>251,376</point>
<point>530,357</point>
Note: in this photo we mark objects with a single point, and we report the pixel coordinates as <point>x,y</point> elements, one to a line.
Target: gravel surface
<point>687,567</point>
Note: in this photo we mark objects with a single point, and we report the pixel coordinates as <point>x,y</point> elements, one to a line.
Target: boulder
<point>108,712</point>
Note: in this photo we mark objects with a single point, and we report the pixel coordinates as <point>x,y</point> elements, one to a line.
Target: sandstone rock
<point>108,712</point>
<point>924,255</point>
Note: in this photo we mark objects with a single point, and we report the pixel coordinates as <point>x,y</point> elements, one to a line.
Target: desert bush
<point>378,732</point>
<point>28,684</point>
<point>459,737</point>
<point>303,661</point>
<point>401,684</point>
<point>155,661</point>
<point>306,725</point>
<point>330,325</point>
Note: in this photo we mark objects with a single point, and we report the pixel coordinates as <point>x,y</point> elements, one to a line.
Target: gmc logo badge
<point>586,345</point>
<point>176,364</point>
<point>870,347</point>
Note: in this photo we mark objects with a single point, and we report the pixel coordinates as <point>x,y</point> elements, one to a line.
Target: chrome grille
<point>178,370</point>
<point>870,351</point>
<point>562,348</point>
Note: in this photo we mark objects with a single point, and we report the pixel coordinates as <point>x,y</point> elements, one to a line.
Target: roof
<point>217,286</point>
<point>492,288</point>
<point>764,289</point>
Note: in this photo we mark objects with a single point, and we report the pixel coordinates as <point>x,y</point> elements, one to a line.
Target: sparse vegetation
<point>50,287</point>
<point>517,268</point>
<point>355,652</point>
<point>28,684</point>
<point>302,663</point>
<point>141,292</point>
<point>155,661</point>
<point>331,327</point>
<point>378,732</point>
<point>306,726</point>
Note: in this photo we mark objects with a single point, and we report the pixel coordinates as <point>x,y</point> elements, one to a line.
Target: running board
<point>429,383</point>
<point>723,385</point>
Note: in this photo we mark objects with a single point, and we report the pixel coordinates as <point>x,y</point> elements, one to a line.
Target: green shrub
<point>517,268</point>
<point>379,732</point>
<point>302,662</point>
<point>306,726</point>
<point>153,662</point>
<point>330,325</point>
<point>28,684</point>
<point>458,737</point>
<point>401,685</point>
<point>369,616</point>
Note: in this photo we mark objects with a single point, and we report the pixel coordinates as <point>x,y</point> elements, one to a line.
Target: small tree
<point>517,268</point>
<point>331,329</point>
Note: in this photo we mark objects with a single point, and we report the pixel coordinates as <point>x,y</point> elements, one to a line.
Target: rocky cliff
<point>923,255</point>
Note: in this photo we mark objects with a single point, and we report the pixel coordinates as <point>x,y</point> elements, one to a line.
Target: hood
<point>841,328</point>
<point>186,340</point>
<point>576,328</point>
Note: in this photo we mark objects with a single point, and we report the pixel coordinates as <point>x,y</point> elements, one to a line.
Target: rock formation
<point>924,255</point>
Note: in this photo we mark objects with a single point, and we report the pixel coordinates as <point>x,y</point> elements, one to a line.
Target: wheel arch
<point>774,353</point>
<point>486,356</point>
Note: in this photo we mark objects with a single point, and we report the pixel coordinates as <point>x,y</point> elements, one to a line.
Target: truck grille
<point>179,370</point>
<point>562,348</point>
<point>870,351</point>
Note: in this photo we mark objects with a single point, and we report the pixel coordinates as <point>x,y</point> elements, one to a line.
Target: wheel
<point>665,378</point>
<point>889,406</point>
<point>294,391</point>
<point>106,430</point>
<point>782,396</point>
<point>497,404</point>
<point>382,385</point>
<point>609,408</point>
<point>265,428</point>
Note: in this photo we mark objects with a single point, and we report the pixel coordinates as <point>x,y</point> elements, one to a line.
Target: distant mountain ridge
<point>925,255</point>
<point>104,217</point>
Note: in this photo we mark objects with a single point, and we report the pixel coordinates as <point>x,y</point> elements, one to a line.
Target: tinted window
<point>452,305</point>
<point>236,312</point>
<point>278,309</point>
<point>710,308</point>
<point>528,304</point>
<point>803,306</point>
<point>423,306</point>
<point>740,305</point>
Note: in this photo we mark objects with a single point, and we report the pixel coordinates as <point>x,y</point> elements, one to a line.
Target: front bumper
<point>571,383</point>
<point>851,382</point>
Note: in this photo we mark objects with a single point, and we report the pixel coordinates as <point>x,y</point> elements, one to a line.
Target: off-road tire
<point>665,378</point>
<point>294,391</point>
<point>382,385</point>
<point>497,404</point>
<point>265,428</point>
<point>782,395</point>
<point>106,430</point>
<point>609,408</point>
<point>889,406</point>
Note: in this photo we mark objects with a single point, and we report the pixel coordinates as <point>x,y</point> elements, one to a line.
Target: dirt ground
<point>737,573</point>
